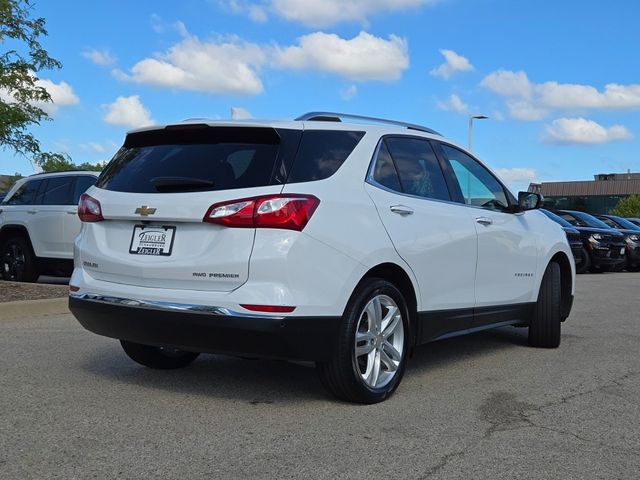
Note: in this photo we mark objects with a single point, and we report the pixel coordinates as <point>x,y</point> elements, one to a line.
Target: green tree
<point>7,181</point>
<point>21,58</point>
<point>61,162</point>
<point>628,207</point>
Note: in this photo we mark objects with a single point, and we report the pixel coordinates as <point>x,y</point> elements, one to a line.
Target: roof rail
<point>337,117</point>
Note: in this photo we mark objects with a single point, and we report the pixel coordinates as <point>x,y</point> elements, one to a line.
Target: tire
<point>585,264</point>
<point>18,261</point>
<point>162,358</point>
<point>545,324</point>
<point>373,372</point>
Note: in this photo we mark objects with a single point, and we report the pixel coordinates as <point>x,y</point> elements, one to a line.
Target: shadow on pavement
<point>277,382</point>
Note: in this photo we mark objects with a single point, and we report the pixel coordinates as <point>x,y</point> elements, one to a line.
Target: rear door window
<point>26,194</point>
<point>83,182</point>
<point>418,168</point>
<point>58,191</point>
<point>409,165</point>
<point>384,170</point>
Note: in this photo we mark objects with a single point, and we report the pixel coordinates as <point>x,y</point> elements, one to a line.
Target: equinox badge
<point>145,211</point>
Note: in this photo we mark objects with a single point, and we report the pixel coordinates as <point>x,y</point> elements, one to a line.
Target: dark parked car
<point>573,236</point>
<point>603,247</point>
<point>631,234</point>
<point>635,221</point>
<point>2,195</point>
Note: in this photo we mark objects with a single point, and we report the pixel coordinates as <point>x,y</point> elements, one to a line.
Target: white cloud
<point>453,104</point>
<point>508,83</point>
<point>108,146</point>
<point>533,101</point>
<point>517,175</point>
<point>526,110</point>
<point>361,58</point>
<point>159,25</point>
<point>582,131</point>
<point>321,13</point>
<point>92,147</point>
<point>239,113</point>
<point>517,178</point>
<point>498,116</point>
<point>103,58</point>
<point>223,66</point>
<point>128,112</point>
<point>256,12</point>
<point>348,93</point>
<point>62,95</point>
<point>453,63</point>
<point>229,65</point>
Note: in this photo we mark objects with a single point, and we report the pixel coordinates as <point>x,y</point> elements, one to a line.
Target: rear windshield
<point>556,218</point>
<point>201,158</point>
<point>624,223</point>
<point>580,219</point>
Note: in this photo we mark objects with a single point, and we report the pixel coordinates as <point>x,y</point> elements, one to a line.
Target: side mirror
<point>529,201</point>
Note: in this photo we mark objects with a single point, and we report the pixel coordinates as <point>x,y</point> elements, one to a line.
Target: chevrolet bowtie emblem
<point>145,211</point>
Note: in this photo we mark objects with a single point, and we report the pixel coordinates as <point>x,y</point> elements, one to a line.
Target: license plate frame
<point>152,240</point>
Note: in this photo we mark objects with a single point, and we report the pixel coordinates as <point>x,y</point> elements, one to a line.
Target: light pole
<point>471,119</point>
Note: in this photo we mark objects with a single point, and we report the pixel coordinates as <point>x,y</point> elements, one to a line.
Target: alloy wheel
<point>13,262</point>
<point>379,344</point>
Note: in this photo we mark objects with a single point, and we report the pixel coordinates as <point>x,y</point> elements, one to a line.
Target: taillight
<point>89,209</point>
<point>291,212</point>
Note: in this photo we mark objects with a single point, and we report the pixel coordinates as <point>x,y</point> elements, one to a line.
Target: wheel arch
<point>566,282</point>
<point>398,276</point>
<point>9,231</point>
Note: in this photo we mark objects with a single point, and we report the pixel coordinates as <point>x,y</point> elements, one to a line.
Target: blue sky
<point>560,81</point>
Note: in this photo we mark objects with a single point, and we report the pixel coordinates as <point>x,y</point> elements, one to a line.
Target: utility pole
<point>470,130</point>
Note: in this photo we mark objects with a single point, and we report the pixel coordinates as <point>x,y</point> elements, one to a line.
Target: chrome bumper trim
<point>169,306</point>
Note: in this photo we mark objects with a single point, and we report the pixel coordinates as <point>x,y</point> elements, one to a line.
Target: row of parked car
<point>601,242</point>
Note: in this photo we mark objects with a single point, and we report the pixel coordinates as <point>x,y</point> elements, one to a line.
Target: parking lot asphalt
<point>72,405</point>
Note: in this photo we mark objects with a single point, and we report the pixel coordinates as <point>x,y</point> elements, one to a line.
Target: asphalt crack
<point>504,412</point>
<point>444,461</point>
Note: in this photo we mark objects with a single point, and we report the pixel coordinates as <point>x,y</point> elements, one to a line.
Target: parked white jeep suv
<point>346,244</point>
<point>38,223</point>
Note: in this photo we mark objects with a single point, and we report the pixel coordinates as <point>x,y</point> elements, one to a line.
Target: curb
<point>29,308</point>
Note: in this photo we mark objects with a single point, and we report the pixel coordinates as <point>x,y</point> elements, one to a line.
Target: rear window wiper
<point>180,184</point>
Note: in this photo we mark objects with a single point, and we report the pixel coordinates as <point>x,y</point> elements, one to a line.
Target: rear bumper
<point>208,329</point>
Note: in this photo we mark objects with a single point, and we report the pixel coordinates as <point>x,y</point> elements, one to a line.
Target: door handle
<point>74,212</point>
<point>484,221</point>
<point>401,210</point>
<point>32,211</point>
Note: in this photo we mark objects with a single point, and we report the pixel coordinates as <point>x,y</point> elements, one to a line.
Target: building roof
<point>588,188</point>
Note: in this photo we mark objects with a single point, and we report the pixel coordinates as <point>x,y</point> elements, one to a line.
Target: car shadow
<point>265,381</point>
<point>256,381</point>
<point>452,350</point>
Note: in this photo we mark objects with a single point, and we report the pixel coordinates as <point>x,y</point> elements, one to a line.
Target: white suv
<point>38,223</point>
<point>342,243</point>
